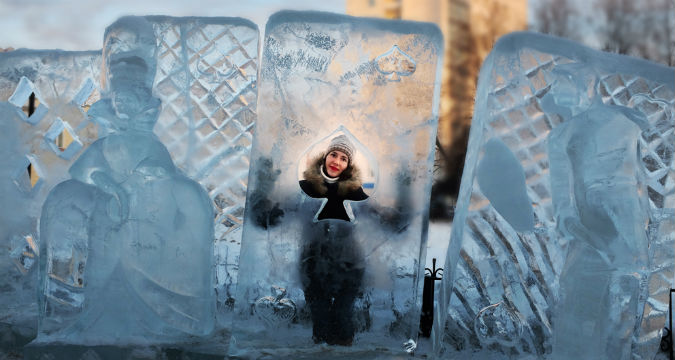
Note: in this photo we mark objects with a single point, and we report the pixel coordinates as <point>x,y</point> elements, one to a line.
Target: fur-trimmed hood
<point>348,182</point>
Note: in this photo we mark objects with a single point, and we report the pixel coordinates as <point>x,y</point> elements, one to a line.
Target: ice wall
<point>126,243</point>
<point>206,75</point>
<point>563,235</point>
<point>44,97</point>
<point>206,79</point>
<point>305,281</point>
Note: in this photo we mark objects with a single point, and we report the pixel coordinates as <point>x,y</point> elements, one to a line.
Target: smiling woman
<point>332,264</point>
<point>334,176</point>
<point>336,162</point>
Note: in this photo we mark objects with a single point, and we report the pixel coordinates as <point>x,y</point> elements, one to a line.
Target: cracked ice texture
<point>126,243</point>
<point>64,84</point>
<point>377,83</point>
<point>576,233</point>
<point>206,79</point>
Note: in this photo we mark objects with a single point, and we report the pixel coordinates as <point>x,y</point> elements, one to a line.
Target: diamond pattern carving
<point>206,79</point>
<point>63,85</point>
<point>492,255</point>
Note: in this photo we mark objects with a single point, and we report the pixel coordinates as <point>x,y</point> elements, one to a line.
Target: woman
<point>332,265</point>
<point>334,176</point>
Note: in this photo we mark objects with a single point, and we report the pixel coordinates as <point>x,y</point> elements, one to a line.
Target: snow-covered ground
<point>437,245</point>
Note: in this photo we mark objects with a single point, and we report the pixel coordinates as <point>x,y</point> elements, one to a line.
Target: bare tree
<point>638,28</point>
<point>642,28</point>
<point>671,31</point>
<point>619,29</point>
<point>473,33</point>
<point>557,17</point>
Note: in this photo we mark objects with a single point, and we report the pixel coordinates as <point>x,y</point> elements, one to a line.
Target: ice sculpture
<point>336,261</point>
<point>19,250</point>
<point>562,244</point>
<point>599,198</point>
<point>44,96</point>
<point>206,79</point>
<point>126,243</point>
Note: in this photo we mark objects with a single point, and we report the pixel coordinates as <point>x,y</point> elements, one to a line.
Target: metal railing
<point>427,316</point>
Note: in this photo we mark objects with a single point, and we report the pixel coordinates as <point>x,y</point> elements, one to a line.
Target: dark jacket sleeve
<point>357,195</point>
<point>308,189</point>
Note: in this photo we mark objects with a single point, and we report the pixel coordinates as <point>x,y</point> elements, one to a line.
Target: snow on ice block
<point>337,205</point>
<point>562,243</point>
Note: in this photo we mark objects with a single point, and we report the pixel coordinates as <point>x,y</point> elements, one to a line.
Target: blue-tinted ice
<point>127,243</point>
<point>206,79</point>
<point>562,243</point>
<point>44,96</point>
<point>326,262</point>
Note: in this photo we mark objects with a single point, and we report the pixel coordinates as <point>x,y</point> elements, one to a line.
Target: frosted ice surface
<point>44,97</point>
<point>371,88</point>
<point>514,204</point>
<point>562,245</point>
<point>206,79</point>
<point>127,242</point>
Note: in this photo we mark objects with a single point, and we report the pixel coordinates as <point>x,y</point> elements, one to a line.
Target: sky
<point>79,24</point>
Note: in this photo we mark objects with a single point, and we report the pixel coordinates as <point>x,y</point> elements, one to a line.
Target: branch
<point>441,150</point>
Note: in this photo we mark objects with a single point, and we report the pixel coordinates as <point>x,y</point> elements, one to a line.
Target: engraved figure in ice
<point>600,204</point>
<point>141,230</point>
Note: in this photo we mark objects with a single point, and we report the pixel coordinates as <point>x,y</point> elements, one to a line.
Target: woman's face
<point>336,163</point>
